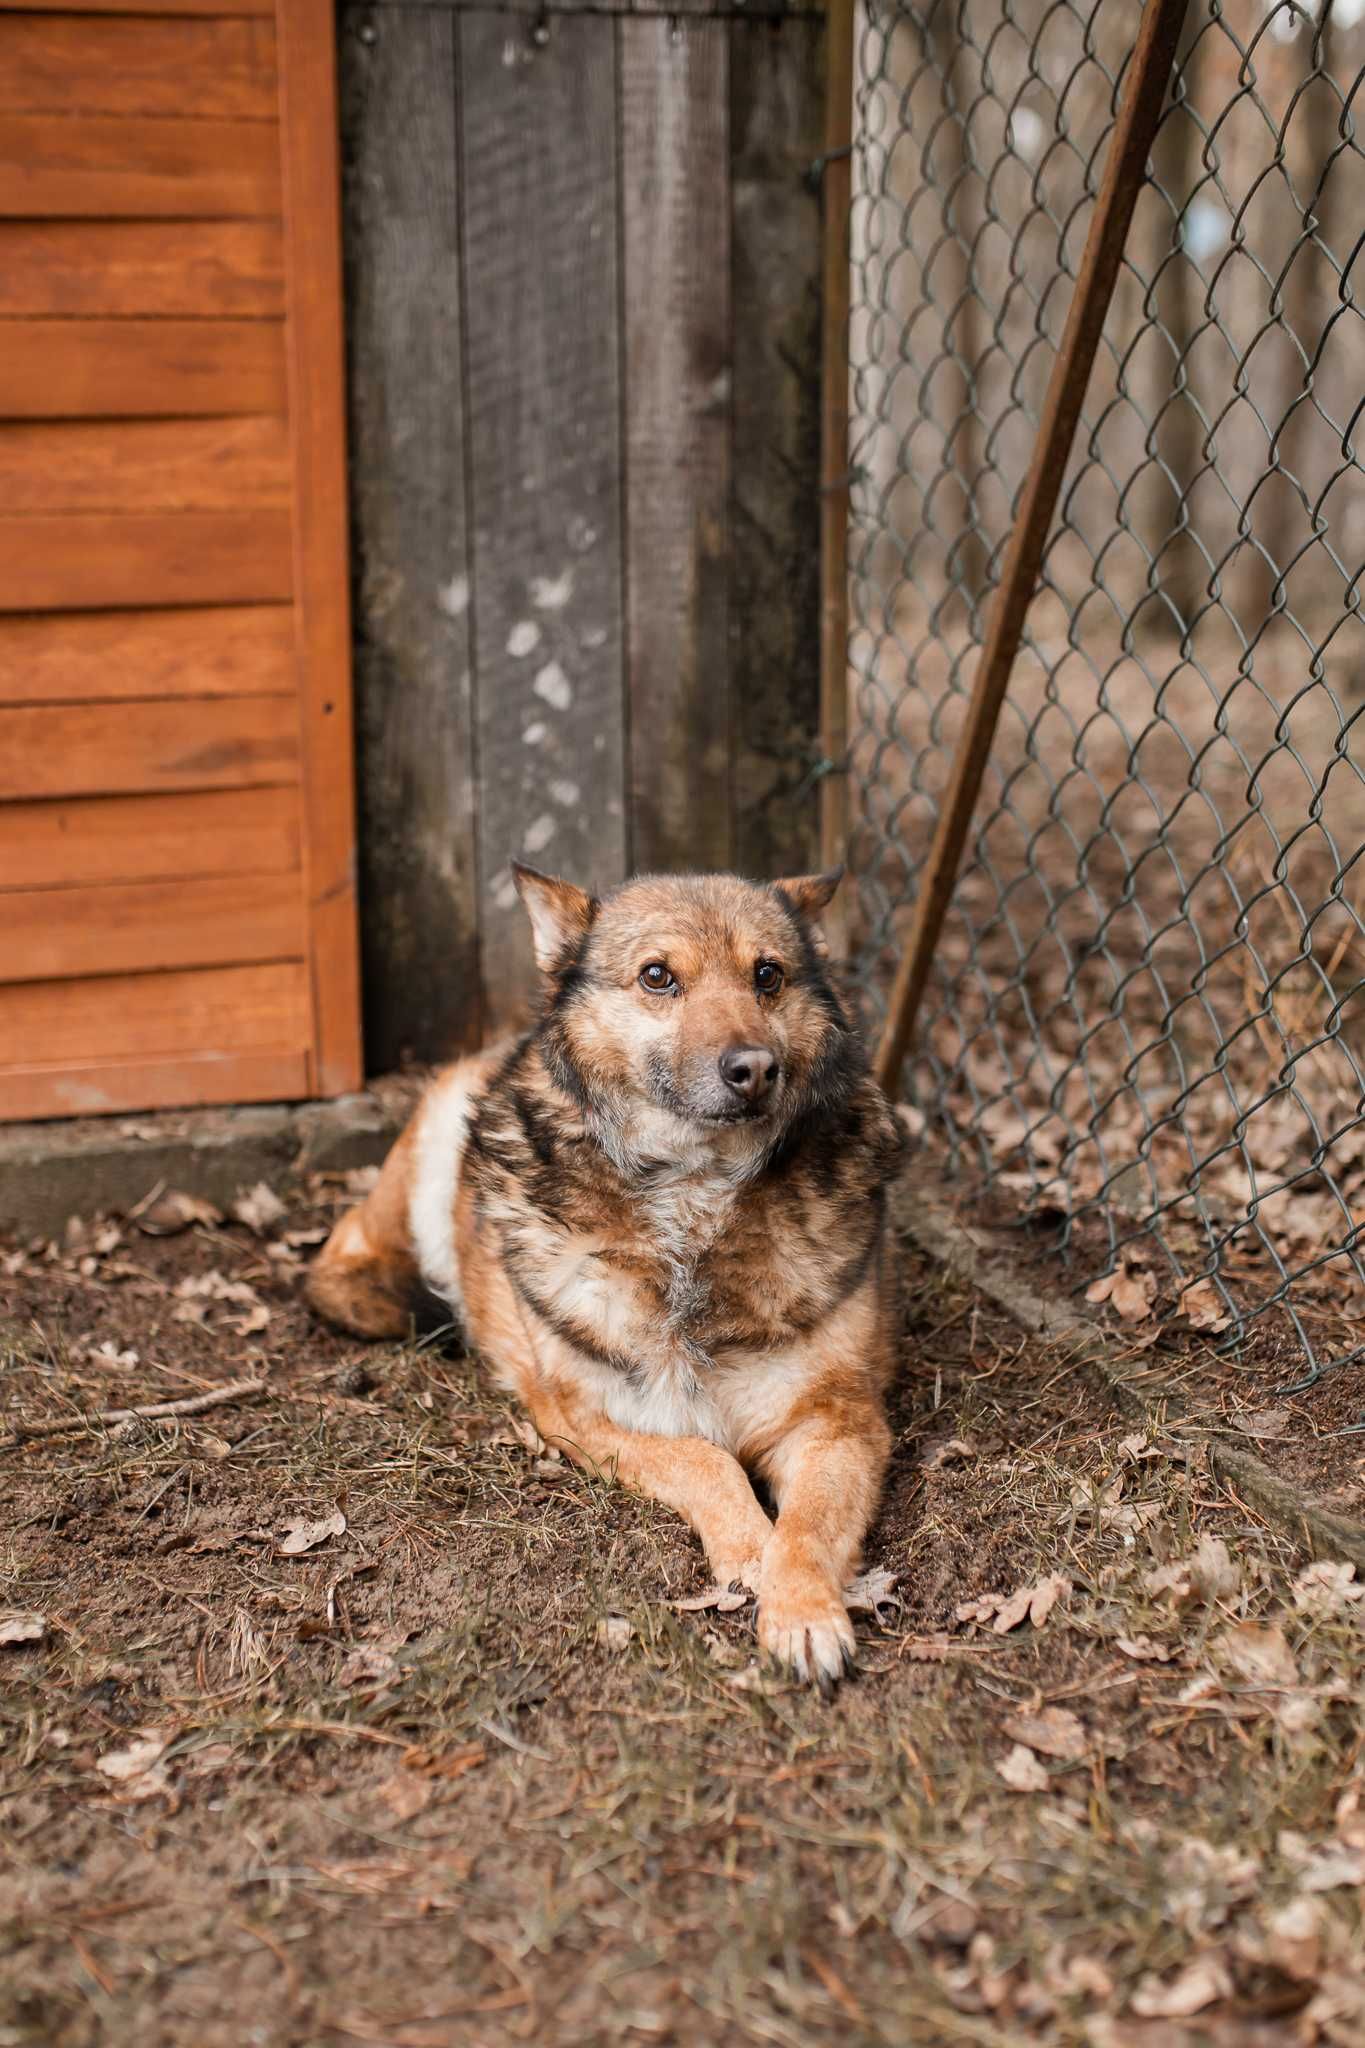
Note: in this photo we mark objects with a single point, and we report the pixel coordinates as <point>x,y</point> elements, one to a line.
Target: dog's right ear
<point>561,915</point>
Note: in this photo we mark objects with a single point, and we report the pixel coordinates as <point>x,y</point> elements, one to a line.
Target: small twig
<point>505,1735</point>
<point>151,1411</point>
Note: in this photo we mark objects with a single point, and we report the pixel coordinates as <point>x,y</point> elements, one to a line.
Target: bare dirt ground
<point>340,1713</point>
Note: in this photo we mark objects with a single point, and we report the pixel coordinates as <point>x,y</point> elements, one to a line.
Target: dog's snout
<point>749,1070</point>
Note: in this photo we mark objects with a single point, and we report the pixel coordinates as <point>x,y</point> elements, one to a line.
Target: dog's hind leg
<point>365,1278</point>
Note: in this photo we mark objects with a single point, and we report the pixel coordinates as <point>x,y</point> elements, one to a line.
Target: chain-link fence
<point>1147,1020</point>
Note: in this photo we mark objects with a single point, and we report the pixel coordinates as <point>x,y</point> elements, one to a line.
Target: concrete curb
<point>923,1217</point>
<point>104,1165</point>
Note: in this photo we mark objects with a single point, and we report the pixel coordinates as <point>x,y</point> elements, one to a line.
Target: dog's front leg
<point>826,1475</point>
<point>696,1478</point>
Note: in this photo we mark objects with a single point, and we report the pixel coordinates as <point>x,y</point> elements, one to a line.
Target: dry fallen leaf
<point>1263,1422</point>
<point>366,1663</point>
<point>175,1211</point>
<point>614,1631</point>
<point>1045,1595</point>
<point>197,1290</point>
<point>871,1592</point>
<point>1083,1975</point>
<point>300,1536</point>
<point>1021,1771</point>
<point>1127,1289</point>
<point>1350,1814</point>
<point>1200,1983</point>
<point>214,1756</point>
<point>1321,1867</point>
<point>256,1318</point>
<point>754,1678</point>
<point>1005,1611</point>
<point>138,1769</point>
<point>1325,1588</point>
<point>1053,1732</point>
<point>109,1354</point>
<point>955,1451</point>
<point>1208,1572</point>
<point>1144,1649</point>
<point>1294,1939</point>
<point>730,1655</point>
<point>405,1794</point>
<point>22,1627</point>
<point>1203,1307</point>
<point>445,1763</point>
<point>1204,1881</point>
<point>725,1600</point>
<point>1261,1656</point>
<point>258,1208</point>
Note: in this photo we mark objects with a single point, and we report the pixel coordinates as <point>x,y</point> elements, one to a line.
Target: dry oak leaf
<point>1321,1867</point>
<point>138,1769</point>
<point>1261,1656</point>
<point>1128,1289</point>
<point>1293,1940</point>
<point>300,1536</point>
<point>871,1591</point>
<point>22,1628</point>
<point>256,1318</point>
<point>1204,1881</point>
<point>258,1208</point>
<point>1325,1588</point>
<point>1203,1307</point>
<point>1144,1649</point>
<point>1021,1771</point>
<point>1208,1571</point>
<point>956,1450</point>
<point>1264,1422</point>
<point>1200,1983</point>
<point>1052,1732</point>
<point>1350,1814</point>
<point>1005,1611</point>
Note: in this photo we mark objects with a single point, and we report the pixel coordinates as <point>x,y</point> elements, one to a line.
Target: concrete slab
<point>104,1165</point>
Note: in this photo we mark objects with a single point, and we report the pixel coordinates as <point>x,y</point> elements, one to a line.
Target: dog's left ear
<point>806,896</point>
<point>561,915</point>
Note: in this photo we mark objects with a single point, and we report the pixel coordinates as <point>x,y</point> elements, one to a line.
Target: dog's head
<point>701,996</point>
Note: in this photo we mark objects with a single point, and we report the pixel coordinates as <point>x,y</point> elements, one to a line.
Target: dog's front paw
<point>804,1625</point>
<point>738,1573</point>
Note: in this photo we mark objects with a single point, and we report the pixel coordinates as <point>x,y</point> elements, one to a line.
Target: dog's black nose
<point>750,1070</point>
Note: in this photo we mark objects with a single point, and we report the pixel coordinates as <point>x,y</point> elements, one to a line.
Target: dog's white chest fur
<point>665,1384</point>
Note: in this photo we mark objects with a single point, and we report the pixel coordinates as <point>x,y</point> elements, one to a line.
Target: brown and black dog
<point>661,1217</point>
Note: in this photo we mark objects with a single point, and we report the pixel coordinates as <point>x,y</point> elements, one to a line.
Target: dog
<point>661,1217</point>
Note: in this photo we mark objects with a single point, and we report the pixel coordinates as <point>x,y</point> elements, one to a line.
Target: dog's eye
<point>657,979</point>
<point>767,977</point>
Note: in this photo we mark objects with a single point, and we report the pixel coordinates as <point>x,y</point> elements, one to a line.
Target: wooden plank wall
<point>177,914</point>
<point>583,257</point>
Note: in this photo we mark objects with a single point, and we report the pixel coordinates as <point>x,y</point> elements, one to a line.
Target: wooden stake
<point>1144,95</point>
<point>837,191</point>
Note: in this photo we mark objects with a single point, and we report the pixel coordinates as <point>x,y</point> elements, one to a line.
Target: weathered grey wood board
<point>583,259</point>
<point>412,654</point>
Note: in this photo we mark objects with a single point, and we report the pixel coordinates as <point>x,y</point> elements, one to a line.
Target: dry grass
<point>410,1787</point>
